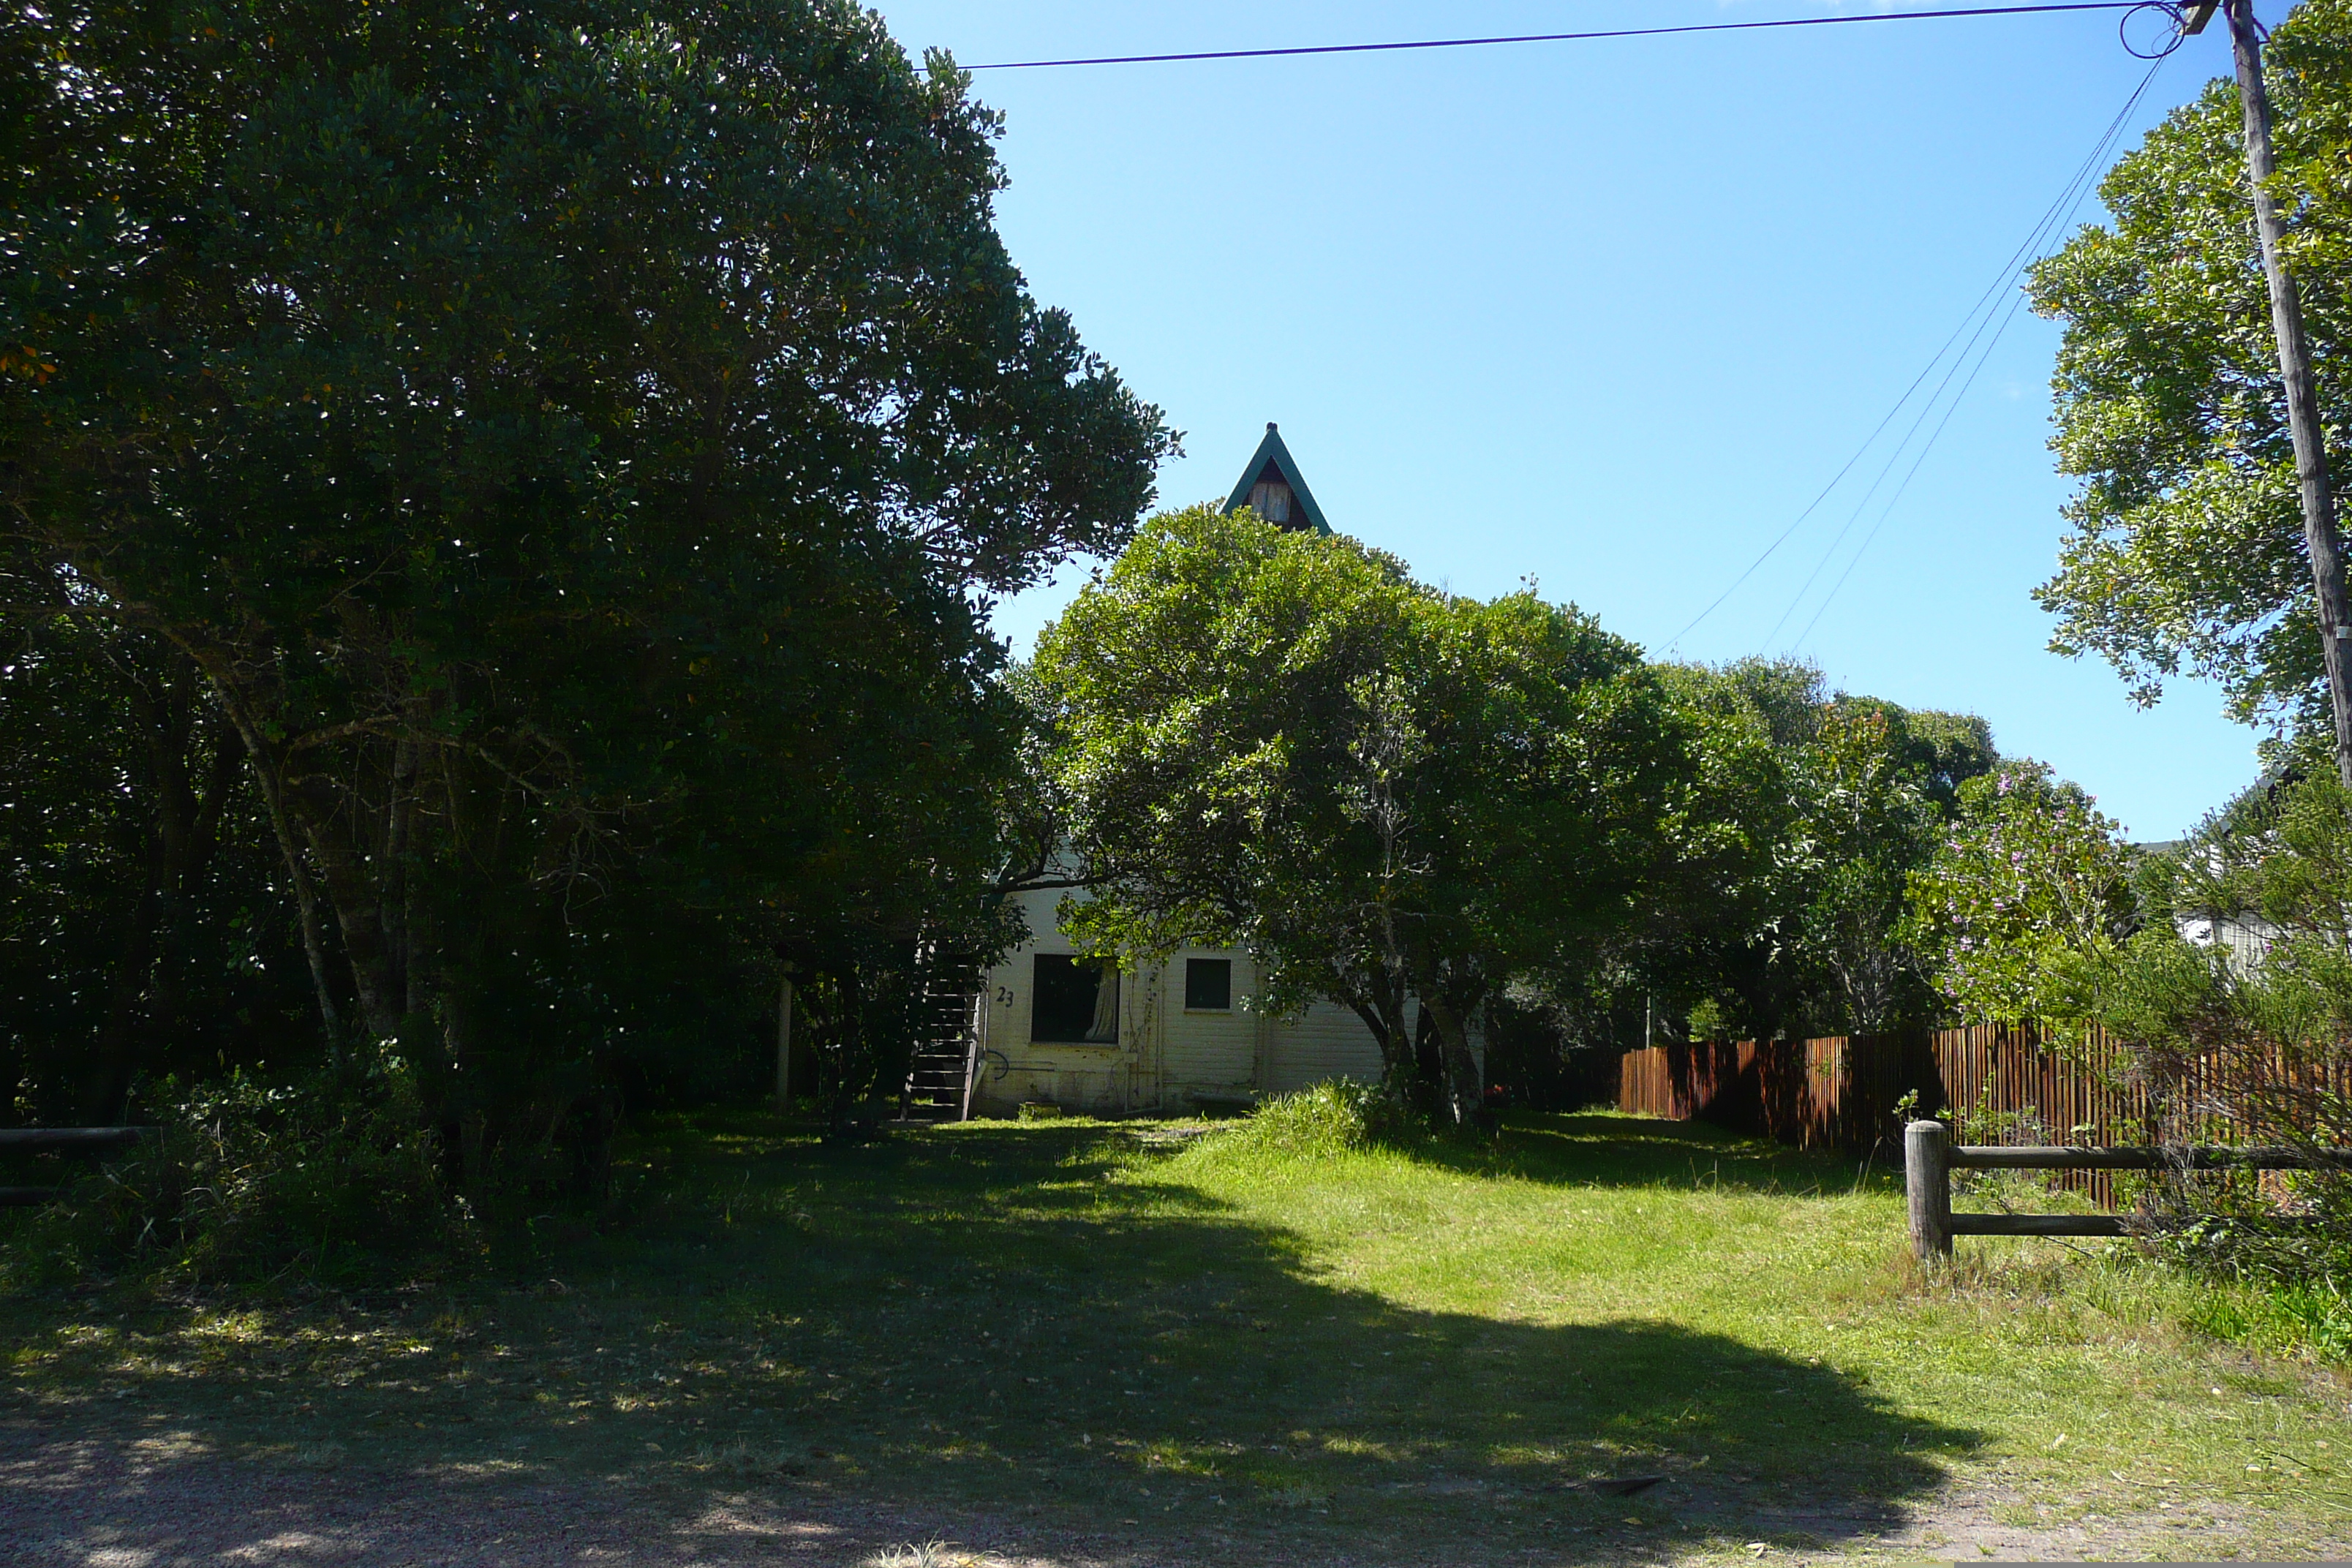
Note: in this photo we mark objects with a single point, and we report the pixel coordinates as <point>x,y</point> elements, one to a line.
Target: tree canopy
<point>2185,553</point>
<point>571,446</point>
<point>1279,740</point>
<point>1840,799</point>
<point>2029,878</point>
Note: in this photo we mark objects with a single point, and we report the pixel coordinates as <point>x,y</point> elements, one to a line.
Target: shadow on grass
<point>1605,1149</point>
<point>984,1322</point>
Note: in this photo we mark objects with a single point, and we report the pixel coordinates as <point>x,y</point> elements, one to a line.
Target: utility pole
<point>2321,540</point>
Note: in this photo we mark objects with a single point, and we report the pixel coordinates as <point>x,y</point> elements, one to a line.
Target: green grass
<point>1108,1330</point>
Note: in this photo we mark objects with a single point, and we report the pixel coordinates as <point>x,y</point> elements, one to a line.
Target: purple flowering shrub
<point>2031,879</point>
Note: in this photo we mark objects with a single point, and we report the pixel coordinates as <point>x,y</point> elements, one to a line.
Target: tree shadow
<point>1608,1150</point>
<point>989,1327</point>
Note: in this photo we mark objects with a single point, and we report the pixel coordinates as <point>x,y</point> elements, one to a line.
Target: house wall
<point>1166,1053</point>
<point>1324,1041</point>
<point>2248,939</point>
<point>1213,1052</point>
<point>1104,1079</point>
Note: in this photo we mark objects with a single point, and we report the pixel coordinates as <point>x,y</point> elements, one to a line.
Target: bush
<point>2230,1228</point>
<point>2029,877</point>
<point>2313,1319</point>
<point>1331,1118</point>
<point>2249,1040</point>
<point>2250,1043</point>
<point>335,1180</point>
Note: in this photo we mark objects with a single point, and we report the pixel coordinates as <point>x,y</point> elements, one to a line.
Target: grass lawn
<point>1169,1349</point>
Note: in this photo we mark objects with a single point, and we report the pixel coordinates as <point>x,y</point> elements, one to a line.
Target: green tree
<point>572,445</point>
<point>2185,553</point>
<point>142,923</point>
<point>1278,741</point>
<point>1709,938</point>
<point>1834,800</point>
<point>1867,819</point>
<point>2030,880</point>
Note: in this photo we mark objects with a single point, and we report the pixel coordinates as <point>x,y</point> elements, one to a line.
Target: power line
<point>1557,37</point>
<point>1820,609</point>
<point>2067,198</point>
<point>2059,214</point>
<point>2032,242</point>
<point>2017,303</point>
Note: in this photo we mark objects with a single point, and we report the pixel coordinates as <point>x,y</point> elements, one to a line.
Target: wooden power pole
<point>2320,537</point>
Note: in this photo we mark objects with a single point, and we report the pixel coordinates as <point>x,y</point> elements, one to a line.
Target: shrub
<point>2251,1043</point>
<point>1330,1118</point>
<point>2028,913</point>
<point>2028,876</point>
<point>335,1180</point>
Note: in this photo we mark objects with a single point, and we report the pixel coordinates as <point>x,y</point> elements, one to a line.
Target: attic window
<point>1270,499</point>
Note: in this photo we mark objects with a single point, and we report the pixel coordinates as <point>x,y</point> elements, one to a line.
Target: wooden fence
<point>1929,1159</point>
<point>2001,1082</point>
<point>59,1140</point>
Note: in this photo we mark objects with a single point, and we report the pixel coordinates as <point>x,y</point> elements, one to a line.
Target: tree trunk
<point>108,1080</point>
<point>267,773</point>
<point>182,834</point>
<point>1378,998</point>
<point>850,1050</point>
<point>1428,1051</point>
<point>1464,1091</point>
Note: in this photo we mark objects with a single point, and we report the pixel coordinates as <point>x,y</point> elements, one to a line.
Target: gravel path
<point>165,1502</point>
<point>152,1504</point>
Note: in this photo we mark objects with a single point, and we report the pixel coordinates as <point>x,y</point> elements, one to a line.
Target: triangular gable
<point>1272,454</point>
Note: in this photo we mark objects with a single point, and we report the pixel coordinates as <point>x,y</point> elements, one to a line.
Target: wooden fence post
<point>1928,1182</point>
<point>784,1041</point>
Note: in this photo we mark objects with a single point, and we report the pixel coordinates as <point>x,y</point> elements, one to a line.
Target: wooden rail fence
<point>59,1140</point>
<point>2002,1083</point>
<point>1929,1159</point>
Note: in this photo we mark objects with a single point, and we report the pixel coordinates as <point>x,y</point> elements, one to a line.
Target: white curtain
<point>1103,1030</point>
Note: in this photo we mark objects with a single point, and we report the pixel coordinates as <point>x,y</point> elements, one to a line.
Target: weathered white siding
<point>1102,1080</point>
<point>1166,1053</point>
<point>1216,1051</point>
<point>1324,1041</point>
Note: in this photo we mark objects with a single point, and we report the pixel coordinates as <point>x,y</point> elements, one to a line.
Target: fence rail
<point>2000,1082</point>
<point>59,1140</point>
<point>2252,1157</point>
<point>1929,1159</point>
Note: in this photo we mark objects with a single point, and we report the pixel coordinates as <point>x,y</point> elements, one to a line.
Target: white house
<point>1173,1038</point>
<point>2247,938</point>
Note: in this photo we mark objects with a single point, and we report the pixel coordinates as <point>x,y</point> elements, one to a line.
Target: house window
<point>1073,1002</point>
<point>1270,499</point>
<point>1208,985</point>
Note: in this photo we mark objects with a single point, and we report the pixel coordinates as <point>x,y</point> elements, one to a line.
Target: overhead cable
<point>2068,198</point>
<point>1557,38</point>
<point>2072,200</point>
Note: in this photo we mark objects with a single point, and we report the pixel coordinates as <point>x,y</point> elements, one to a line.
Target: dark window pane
<point>1209,983</point>
<point>1072,1002</point>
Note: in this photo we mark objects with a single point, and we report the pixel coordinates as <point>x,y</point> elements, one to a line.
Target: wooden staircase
<point>936,1074</point>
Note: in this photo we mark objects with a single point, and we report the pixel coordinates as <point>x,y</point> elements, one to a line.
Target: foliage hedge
<point>338,1181</point>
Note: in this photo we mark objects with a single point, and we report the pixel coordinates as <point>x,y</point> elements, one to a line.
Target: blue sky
<point>1608,314</point>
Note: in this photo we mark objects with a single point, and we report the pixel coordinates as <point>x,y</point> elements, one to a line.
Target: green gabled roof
<point>1272,452</point>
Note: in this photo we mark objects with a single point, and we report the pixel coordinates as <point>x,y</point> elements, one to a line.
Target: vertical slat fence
<point>2003,1083</point>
